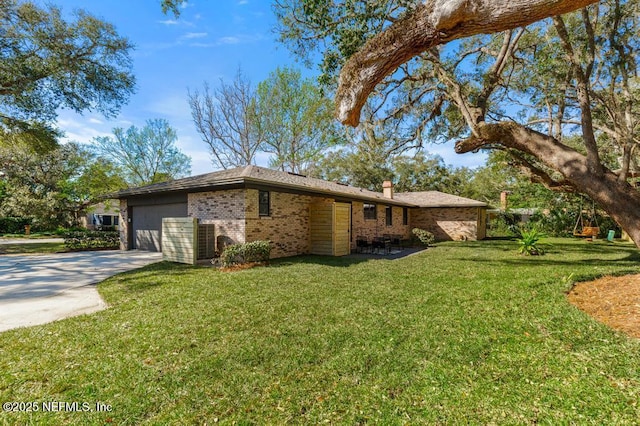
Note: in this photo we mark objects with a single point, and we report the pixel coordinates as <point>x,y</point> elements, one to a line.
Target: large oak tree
<point>48,62</point>
<point>402,53</point>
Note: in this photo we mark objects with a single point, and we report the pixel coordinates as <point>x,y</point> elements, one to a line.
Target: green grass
<point>461,333</point>
<point>32,248</point>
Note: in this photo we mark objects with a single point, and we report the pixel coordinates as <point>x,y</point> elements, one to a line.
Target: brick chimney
<point>504,202</point>
<point>387,189</point>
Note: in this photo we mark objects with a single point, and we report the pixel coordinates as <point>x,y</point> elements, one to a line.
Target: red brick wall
<point>370,228</point>
<point>287,227</point>
<point>448,223</point>
<point>224,209</point>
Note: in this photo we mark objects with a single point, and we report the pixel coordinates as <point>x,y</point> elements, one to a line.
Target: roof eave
<point>329,192</point>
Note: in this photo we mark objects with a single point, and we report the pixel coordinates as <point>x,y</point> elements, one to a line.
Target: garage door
<point>146,223</point>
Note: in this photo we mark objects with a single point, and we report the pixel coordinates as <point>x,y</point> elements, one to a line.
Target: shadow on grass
<point>338,262</point>
<point>567,253</point>
<point>344,261</point>
<point>148,277</point>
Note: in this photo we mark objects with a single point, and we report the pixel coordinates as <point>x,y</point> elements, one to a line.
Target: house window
<point>388,215</point>
<point>370,211</point>
<point>116,219</point>
<point>106,220</point>
<point>264,208</point>
<point>405,216</point>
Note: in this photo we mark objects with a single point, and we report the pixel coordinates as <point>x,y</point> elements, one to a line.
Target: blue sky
<point>209,41</point>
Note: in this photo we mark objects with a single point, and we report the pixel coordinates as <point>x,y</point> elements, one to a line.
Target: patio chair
<point>381,243</point>
<point>362,244</point>
<point>396,241</point>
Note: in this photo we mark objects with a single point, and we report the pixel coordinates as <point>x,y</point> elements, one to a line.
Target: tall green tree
<point>55,187</point>
<point>422,172</point>
<point>47,63</point>
<point>296,120</point>
<point>147,155</point>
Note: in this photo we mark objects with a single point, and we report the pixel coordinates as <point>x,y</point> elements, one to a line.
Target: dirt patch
<point>242,266</point>
<point>614,301</point>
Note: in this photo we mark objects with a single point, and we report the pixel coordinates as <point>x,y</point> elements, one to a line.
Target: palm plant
<point>529,242</point>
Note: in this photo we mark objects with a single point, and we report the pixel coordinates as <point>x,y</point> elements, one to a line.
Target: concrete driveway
<point>37,289</point>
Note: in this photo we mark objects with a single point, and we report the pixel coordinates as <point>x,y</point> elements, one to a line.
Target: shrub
<point>13,225</point>
<point>255,251</point>
<point>529,241</point>
<point>425,237</point>
<point>505,224</point>
<point>557,222</point>
<point>91,240</point>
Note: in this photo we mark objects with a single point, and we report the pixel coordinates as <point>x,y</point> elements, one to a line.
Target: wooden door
<point>342,229</point>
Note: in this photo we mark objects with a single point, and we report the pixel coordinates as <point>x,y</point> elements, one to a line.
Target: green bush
<point>13,225</point>
<point>504,224</point>
<point>424,236</point>
<point>255,251</point>
<point>91,240</point>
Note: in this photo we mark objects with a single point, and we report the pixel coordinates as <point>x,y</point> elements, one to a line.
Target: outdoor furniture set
<point>379,245</point>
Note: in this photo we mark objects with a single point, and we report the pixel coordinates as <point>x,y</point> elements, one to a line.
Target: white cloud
<point>95,121</point>
<point>243,2</point>
<point>229,40</point>
<point>173,106</point>
<point>168,22</point>
<point>81,129</point>
<point>189,36</point>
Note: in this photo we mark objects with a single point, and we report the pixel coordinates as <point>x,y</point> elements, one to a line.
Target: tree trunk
<point>617,198</point>
<point>430,24</point>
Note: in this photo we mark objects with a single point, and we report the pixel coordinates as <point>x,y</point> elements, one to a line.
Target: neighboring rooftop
<point>275,178</point>
<point>436,199</point>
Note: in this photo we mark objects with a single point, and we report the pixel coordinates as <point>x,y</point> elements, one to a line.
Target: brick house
<point>101,216</point>
<point>298,214</point>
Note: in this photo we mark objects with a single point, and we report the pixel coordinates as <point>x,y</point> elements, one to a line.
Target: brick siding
<point>287,226</point>
<point>224,209</point>
<point>370,228</point>
<point>447,223</point>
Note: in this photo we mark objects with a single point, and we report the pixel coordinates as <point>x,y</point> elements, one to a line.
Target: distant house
<point>299,214</point>
<point>102,216</point>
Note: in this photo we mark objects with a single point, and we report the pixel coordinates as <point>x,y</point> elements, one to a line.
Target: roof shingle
<point>274,178</point>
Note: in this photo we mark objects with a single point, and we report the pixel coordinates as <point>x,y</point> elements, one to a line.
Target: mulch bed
<point>615,301</point>
<point>242,266</point>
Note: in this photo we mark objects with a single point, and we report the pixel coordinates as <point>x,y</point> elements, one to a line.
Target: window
<point>370,211</point>
<point>389,215</point>
<point>264,203</point>
<point>116,219</point>
<point>405,216</point>
<point>106,220</point>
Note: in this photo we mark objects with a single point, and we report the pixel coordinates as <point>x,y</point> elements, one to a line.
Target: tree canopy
<point>296,120</point>
<point>47,63</point>
<point>468,90</point>
<point>147,155</point>
<point>53,188</point>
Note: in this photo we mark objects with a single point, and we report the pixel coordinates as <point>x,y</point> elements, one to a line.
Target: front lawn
<point>32,248</point>
<point>461,333</point>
